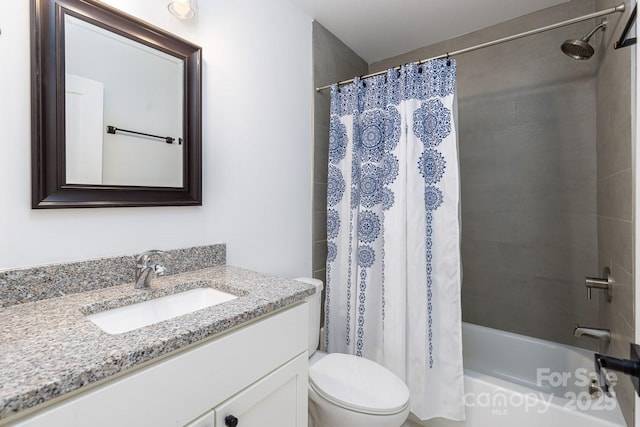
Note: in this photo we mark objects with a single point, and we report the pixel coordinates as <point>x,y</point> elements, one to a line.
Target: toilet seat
<point>358,384</point>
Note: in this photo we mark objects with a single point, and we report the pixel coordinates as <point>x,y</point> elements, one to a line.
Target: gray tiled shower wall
<point>49,281</point>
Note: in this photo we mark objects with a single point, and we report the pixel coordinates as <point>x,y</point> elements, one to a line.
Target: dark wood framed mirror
<point>116,110</point>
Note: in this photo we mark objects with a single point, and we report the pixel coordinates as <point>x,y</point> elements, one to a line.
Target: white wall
<point>256,146</point>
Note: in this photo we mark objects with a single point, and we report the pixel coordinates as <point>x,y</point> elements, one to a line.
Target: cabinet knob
<point>230,421</point>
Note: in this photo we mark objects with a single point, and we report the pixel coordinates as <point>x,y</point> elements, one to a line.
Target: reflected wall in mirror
<point>116,110</point>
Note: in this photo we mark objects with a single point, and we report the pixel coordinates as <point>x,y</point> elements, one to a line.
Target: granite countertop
<point>48,348</point>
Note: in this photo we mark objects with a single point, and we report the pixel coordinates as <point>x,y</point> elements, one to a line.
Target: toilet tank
<point>314,301</point>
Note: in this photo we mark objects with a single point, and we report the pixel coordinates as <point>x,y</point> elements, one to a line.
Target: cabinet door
<point>277,400</point>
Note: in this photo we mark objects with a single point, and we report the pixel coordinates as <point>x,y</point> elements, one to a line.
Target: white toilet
<point>346,390</point>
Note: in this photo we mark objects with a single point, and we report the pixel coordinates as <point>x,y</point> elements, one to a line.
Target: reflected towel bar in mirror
<point>167,139</point>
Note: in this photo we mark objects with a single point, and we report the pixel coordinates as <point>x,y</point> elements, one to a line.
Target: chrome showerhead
<point>581,49</point>
<point>577,49</point>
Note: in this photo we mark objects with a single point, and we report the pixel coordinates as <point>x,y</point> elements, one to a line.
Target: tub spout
<point>597,333</point>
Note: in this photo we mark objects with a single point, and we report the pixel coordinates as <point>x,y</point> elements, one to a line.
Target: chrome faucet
<point>146,270</point>
<point>597,333</point>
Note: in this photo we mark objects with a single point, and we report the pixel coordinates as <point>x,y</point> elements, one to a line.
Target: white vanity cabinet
<point>256,373</point>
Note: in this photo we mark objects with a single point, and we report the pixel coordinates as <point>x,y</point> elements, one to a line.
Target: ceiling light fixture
<point>182,9</point>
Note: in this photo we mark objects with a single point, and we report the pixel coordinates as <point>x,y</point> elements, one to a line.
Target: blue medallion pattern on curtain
<point>393,261</point>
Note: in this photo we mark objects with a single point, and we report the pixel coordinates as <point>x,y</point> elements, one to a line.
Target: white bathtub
<point>515,380</point>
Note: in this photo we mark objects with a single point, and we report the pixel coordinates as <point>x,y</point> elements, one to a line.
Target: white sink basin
<point>134,316</point>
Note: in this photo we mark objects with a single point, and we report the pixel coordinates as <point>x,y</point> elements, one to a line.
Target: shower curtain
<point>393,231</point>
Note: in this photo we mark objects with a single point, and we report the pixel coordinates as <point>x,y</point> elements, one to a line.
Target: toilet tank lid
<point>315,282</point>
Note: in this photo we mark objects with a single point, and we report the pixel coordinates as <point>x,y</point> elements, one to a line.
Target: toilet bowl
<point>346,390</point>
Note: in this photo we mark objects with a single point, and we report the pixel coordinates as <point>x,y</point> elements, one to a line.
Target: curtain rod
<point>619,9</point>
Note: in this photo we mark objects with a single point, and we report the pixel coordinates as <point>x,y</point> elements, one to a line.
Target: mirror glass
<point>118,92</point>
<point>116,110</point>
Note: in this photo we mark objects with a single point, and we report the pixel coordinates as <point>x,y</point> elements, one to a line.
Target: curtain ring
<point>448,60</point>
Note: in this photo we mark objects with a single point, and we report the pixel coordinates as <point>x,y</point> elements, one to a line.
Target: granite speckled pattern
<point>49,281</point>
<point>48,348</point>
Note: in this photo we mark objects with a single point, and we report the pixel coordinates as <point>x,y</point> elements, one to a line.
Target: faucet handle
<point>603,283</point>
<point>159,270</point>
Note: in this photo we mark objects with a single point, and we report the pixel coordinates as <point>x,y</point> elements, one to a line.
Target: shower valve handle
<point>603,283</point>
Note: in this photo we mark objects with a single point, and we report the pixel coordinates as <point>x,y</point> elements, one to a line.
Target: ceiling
<point>379,29</point>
